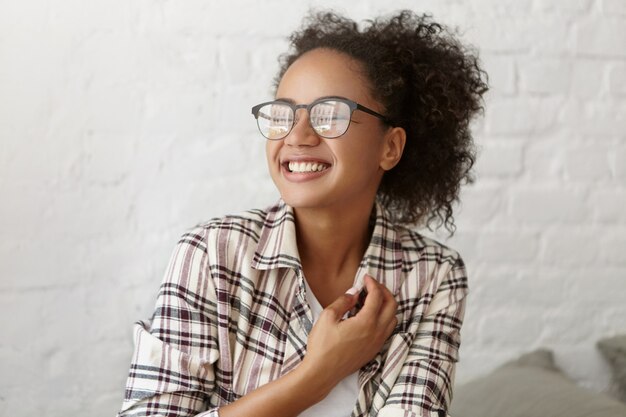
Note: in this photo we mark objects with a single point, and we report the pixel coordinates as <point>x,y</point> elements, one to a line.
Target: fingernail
<point>352,291</point>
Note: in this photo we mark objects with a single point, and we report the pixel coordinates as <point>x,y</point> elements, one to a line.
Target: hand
<point>336,348</point>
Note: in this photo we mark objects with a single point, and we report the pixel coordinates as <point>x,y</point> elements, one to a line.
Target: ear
<point>395,140</point>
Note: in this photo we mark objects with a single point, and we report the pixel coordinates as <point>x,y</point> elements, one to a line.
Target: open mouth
<point>304,167</point>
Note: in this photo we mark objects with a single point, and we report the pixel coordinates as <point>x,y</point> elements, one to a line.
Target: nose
<point>302,133</point>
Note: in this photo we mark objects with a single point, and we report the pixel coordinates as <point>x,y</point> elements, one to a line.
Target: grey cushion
<point>614,350</point>
<point>527,387</point>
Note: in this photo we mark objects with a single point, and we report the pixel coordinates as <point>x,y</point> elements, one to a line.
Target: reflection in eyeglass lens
<point>279,120</point>
<point>330,118</point>
<point>322,116</point>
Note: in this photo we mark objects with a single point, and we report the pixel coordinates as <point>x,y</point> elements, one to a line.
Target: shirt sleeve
<point>172,368</point>
<point>424,386</point>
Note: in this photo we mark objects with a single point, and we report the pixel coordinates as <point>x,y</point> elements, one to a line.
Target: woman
<point>325,304</point>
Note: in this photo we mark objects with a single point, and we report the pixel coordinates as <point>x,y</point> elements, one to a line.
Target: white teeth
<point>306,166</point>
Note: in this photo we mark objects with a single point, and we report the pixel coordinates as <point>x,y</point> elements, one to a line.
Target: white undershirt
<point>341,400</point>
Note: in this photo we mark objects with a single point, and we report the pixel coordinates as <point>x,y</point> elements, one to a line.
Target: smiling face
<point>353,164</point>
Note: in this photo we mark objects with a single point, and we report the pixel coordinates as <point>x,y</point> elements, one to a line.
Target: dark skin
<point>328,290</point>
<point>332,216</point>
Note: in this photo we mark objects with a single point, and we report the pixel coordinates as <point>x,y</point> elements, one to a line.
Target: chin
<point>302,201</point>
<point>299,196</point>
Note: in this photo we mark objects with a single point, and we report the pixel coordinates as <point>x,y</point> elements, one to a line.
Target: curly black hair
<point>429,84</point>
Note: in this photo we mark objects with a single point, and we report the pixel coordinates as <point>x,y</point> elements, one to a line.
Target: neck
<point>332,241</point>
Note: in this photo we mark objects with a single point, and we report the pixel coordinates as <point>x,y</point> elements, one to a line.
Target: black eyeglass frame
<point>353,105</point>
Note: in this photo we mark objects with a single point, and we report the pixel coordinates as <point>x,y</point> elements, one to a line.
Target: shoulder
<point>228,229</point>
<point>248,222</point>
<point>419,248</point>
<point>437,269</point>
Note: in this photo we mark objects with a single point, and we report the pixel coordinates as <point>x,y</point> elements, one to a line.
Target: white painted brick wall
<point>124,123</point>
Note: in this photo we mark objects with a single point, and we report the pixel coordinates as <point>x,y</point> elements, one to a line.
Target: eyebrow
<point>292,101</point>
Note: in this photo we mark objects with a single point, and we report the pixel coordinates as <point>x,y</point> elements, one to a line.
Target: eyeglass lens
<point>329,118</point>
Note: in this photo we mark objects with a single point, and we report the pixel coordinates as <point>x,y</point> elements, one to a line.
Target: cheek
<point>271,150</point>
<point>362,151</point>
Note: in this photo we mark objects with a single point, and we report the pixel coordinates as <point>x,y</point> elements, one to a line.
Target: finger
<point>391,325</point>
<point>341,305</point>
<point>374,298</point>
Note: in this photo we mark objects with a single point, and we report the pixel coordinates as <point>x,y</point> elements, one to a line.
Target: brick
<point>501,8</point>
<point>502,34</point>
<point>557,44</point>
<point>88,215</point>
<point>508,247</point>
<point>501,283</point>
<point>569,247</point>
<point>264,59</point>
<point>618,164</point>
<point>544,76</point>
<point>17,399</point>
<point>165,56</point>
<point>193,112</point>
<point>463,241</point>
<point>24,200</point>
<point>12,330</point>
<point>608,205</point>
<point>588,78</point>
<point>235,111</point>
<point>600,37</point>
<point>521,115</point>
<point>227,17</point>
<point>543,288</point>
<point>613,7</point>
<point>500,160</point>
<point>562,324</point>
<point>27,162</point>
<point>234,60</point>
<point>617,80</point>
<point>215,199</point>
<point>542,163</point>
<point>548,205</point>
<point>31,100</point>
<point>220,17</point>
<point>561,7</point>
<point>480,205</point>
<point>494,327</point>
<point>107,159</point>
<point>614,247</point>
<point>600,288</point>
<point>116,119</point>
<point>109,400</point>
<point>99,303</point>
<point>497,35</point>
<point>608,318</point>
<point>598,118</point>
<point>501,71</point>
<point>587,164</point>
<point>19,270</point>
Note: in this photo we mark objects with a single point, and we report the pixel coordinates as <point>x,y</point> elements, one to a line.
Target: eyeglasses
<point>329,116</point>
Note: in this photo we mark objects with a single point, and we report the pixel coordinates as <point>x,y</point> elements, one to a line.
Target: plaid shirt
<point>231,315</point>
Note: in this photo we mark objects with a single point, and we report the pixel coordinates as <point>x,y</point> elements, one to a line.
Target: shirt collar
<point>278,248</point>
<point>277,245</point>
